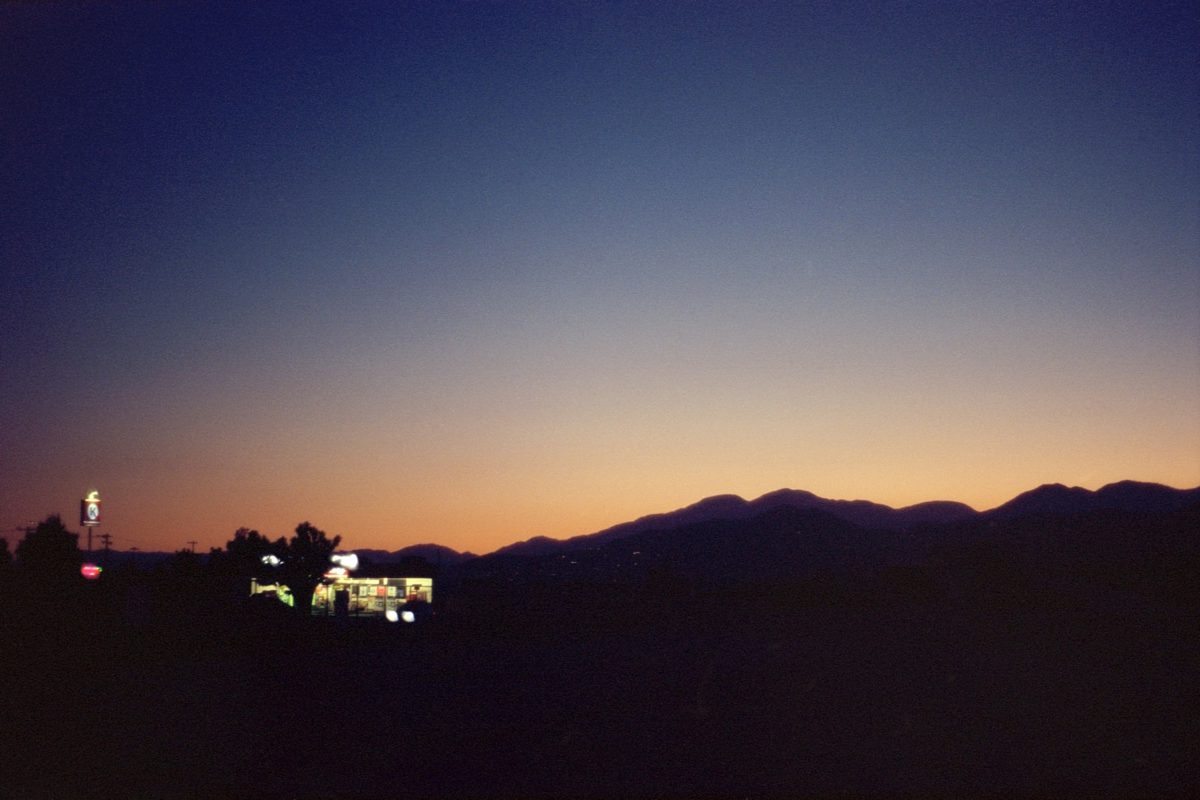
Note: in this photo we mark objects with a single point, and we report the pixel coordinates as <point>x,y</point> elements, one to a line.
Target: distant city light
<point>90,571</point>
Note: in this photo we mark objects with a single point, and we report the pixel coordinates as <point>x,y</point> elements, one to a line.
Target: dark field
<point>760,692</point>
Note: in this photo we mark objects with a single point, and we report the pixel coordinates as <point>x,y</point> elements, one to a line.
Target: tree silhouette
<point>6,560</point>
<point>305,563</point>
<point>49,551</point>
<point>184,565</point>
<point>243,556</point>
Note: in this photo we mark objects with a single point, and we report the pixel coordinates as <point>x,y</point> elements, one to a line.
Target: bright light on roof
<point>336,572</point>
<point>347,560</point>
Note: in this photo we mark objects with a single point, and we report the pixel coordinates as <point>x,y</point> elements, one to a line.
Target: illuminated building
<point>371,597</point>
<point>361,597</point>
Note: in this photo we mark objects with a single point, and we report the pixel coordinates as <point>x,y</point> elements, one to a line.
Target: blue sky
<point>470,273</point>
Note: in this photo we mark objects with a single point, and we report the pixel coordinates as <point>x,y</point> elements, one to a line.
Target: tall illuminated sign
<point>89,509</point>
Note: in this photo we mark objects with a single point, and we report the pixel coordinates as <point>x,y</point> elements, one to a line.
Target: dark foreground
<point>745,694</point>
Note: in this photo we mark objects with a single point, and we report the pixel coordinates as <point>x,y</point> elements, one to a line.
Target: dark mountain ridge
<point>1151,552</point>
<point>435,554</point>
<point>1046,499</point>
<point>1134,496</point>
<point>1053,499</point>
<point>729,507</point>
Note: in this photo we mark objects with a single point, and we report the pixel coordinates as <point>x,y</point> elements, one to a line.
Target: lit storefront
<point>360,597</point>
<point>370,597</point>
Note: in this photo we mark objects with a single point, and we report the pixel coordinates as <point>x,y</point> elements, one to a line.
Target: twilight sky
<point>473,273</point>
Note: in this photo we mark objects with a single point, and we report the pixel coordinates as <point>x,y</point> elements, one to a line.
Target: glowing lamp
<point>408,616</point>
<point>392,616</point>
<point>336,572</point>
<point>90,571</point>
<point>347,560</point>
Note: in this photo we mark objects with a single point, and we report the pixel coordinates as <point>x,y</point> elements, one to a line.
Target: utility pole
<point>192,544</point>
<point>107,539</point>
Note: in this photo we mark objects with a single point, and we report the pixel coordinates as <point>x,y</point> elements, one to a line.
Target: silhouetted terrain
<point>732,507</point>
<point>786,653</point>
<point>1131,496</point>
<point>1053,498</point>
<point>789,535</point>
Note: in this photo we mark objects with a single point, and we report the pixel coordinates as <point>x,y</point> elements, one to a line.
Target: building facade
<point>357,597</point>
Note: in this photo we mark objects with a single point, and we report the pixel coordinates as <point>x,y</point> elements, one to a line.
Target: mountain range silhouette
<point>1052,499</point>
<point>1049,500</point>
<point>1127,533</point>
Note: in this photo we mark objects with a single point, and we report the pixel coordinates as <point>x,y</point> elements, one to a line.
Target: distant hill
<point>435,554</point>
<point>730,507</point>
<point>776,543</point>
<point>1132,496</point>
<point>715,515</point>
<point>1134,536</point>
<point>1053,498</point>
<point>867,514</point>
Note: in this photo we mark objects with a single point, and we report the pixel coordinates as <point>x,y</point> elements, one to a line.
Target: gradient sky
<point>469,274</point>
